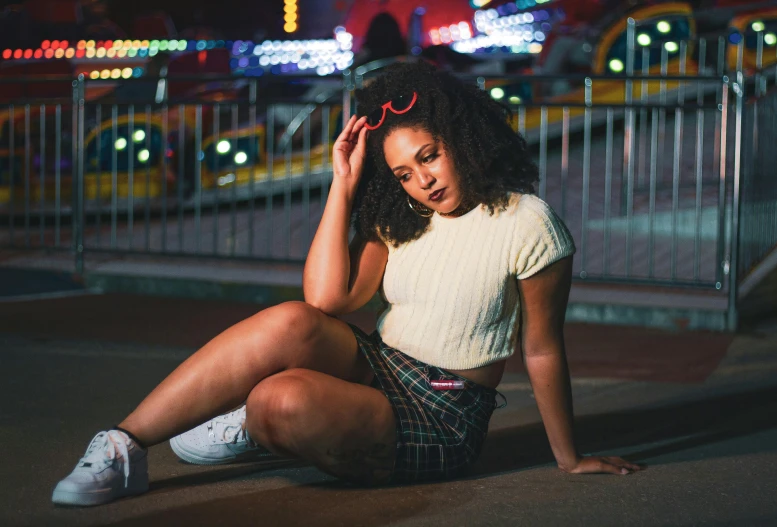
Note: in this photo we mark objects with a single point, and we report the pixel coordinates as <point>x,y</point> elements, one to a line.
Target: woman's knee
<point>278,408</point>
<point>294,320</point>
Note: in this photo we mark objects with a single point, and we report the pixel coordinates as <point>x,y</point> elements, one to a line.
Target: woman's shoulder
<point>529,206</point>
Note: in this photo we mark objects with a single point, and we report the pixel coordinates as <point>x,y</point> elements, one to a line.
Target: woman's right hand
<point>349,151</point>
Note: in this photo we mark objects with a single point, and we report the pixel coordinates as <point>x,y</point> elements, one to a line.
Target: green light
<point>223,147</point>
<point>616,65</point>
<point>497,93</point>
<point>770,39</point>
<point>132,52</point>
<point>671,47</point>
<point>172,45</point>
<point>182,45</point>
<point>241,158</point>
<point>143,155</point>
<point>138,136</point>
<point>643,39</point>
<point>121,143</point>
<point>663,27</point>
<point>758,26</point>
<point>153,51</point>
<point>514,99</point>
<point>153,44</point>
<point>162,45</point>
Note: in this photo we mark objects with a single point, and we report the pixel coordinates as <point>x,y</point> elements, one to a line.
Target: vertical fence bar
<point>130,175</point>
<point>12,173</point>
<point>287,183</point>
<point>114,176</point>
<point>543,152</point>
<point>182,175</point>
<point>586,177</point>
<point>564,159</point>
<point>268,202</point>
<point>57,173</point>
<point>628,144</point>
<point>652,191</point>
<point>735,199</point>
<point>305,238</point>
<point>643,114</point>
<point>233,195</point>
<point>147,156</point>
<point>42,175</point>
<point>723,264</point>
<point>679,114</point>
<point>198,158</point>
<point>27,174</point>
<point>325,116</point>
<point>74,170</point>
<point>607,191</point>
<point>99,173</point>
<point>662,112</point>
<point>216,171</point>
<point>522,120</point>
<point>253,153</point>
<point>79,160</point>
<point>164,168</point>
<point>699,165</point>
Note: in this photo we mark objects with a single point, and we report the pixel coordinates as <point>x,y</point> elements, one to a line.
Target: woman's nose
<point>426,180</point>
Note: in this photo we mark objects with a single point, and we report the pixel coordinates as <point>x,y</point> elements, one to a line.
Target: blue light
<point>137,72</point>
<point>233,63</point>
<point>191,45</point>
<point>201,45</point>
<point>735,37</point>
<point>420,11</point>
<point>211,44</point>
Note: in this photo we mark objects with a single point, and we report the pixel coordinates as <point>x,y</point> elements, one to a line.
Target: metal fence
<point>662,178</point>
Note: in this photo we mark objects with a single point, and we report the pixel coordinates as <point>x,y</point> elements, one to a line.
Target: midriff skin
<point>488,375</point>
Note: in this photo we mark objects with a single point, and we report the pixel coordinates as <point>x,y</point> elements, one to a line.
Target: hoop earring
<point>421,210</point>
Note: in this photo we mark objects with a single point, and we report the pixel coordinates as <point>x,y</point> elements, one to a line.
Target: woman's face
<point>423,167</point>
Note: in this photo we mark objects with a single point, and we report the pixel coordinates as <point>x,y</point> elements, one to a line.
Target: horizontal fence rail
<point>664,174</point>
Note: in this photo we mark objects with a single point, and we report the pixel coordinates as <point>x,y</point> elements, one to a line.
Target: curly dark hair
<point>490,157</point>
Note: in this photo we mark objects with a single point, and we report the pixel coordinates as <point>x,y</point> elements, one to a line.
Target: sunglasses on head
<point>398,105</point>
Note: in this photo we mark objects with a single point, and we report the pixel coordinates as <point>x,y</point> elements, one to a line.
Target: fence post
<point>733,278</point>
<point>78,196</point>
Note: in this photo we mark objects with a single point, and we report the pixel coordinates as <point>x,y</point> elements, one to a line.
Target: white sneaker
<point>113,466</point>
<point>220,441</point>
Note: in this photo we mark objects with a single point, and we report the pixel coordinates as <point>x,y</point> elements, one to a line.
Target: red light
<point>108,44</point>
<point>27,53</point>
<point>49,53</point>
<point>54,44</point>
<point>63,44</point>
<point>17,54</point>
<point>99,44</point>
<point>38,53</point>
<point>80,53</point>
<point>7,53</point>
<point>45,44</point>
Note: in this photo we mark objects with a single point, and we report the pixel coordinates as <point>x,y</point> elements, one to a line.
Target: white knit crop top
<point>452,294</point>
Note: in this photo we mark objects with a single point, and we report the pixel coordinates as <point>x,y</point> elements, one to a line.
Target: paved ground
<point>697,408</point>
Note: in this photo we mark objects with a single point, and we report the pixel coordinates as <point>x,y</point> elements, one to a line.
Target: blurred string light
<point>758,26</point>
<point>664,27</point>
<point>770,39</point>
<point>290,16</point>
<point>643,39</point>
<point>500,29</point>
<point>671,47</point>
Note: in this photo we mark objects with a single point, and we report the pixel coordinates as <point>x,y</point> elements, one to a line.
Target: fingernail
<point>624,471</point>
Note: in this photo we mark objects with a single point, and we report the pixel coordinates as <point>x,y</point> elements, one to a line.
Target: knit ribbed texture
<point>453,293</point>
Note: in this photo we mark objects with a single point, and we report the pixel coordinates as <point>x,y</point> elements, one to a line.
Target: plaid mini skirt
<point>440,433</point>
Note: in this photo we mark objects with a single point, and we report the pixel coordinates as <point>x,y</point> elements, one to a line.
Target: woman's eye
<point>404,177</point>
<point>429,158</point>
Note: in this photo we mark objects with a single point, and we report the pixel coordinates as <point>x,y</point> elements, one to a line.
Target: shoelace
<point>103,450</point>
<point>232,431</point>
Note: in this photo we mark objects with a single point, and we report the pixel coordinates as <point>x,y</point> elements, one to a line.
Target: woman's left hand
<point>602,465</point>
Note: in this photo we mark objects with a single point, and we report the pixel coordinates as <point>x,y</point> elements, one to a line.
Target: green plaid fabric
<point>439,432</point>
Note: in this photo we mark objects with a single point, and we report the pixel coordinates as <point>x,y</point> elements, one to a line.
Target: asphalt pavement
<point>697,408</point>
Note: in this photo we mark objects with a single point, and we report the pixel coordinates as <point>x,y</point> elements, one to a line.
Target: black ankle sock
<point>131,435</point>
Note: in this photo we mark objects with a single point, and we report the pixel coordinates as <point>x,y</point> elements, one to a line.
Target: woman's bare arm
<point>544,299</point>
<point>339,278</point>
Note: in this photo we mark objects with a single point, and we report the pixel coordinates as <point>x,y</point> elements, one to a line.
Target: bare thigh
<point>345,429</point>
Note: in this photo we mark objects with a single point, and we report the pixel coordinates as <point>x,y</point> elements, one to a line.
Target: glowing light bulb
<point>663,27</point>
<point>120,143</point>
<point>758,26</point>
<point>241,158</point>
<point>671,47</point>
<point>143,155</point>
<point>616,65</point>
<point>770,39</point>
<point>643,39</point>
<point>139,135</point>
<point>497,93</point>
<point>223,147</point>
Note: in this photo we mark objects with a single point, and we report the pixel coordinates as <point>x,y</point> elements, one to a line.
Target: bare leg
<point>345,429</point>
<point>222,374</point>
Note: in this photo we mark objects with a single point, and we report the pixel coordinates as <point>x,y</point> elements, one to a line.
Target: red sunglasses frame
<point>388,106</point>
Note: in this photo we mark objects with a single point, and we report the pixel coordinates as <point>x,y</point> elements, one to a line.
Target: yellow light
<point>223,146</point>
<point>121,143</point>
<point>663,27</point>
<point>100,53</point>
<point>139,135</point>
<point>121,53</point>
<point>94,75</point>
<point>290,18</point>
<point>111,53</point>
<point>534,47</point>
<point>143,155</point>
<point>290,27</point>
<point>126,73</point>
<point>144,43</point>
<point>117,44</point>
<point>70,53</point>
<point>758,26</point>
<point>90,44</point>
<point>116,73</point>
<point>643,39</point>
<point>104,74</point>
<point>59,53</point>
<point>90,53</point>
<point>81,44</point>
<point>770,39</point>
<point>497,93</point>
<point>671,47</point>
<point>127,44</point>
<point>616,65</point>
<point>241,158</point>
<point>136,44</point>
<point>287,2</point>
<point>290,8</point>
<point>514,99</point>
